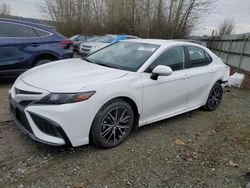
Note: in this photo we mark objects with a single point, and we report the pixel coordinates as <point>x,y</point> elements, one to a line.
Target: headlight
<point>59,98</point>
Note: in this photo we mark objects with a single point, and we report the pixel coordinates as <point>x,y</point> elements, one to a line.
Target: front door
<point>167,95</point>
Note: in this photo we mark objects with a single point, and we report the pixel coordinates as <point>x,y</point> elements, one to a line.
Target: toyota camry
<point>111,92</point>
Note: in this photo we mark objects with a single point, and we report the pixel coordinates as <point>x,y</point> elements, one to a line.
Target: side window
<point>82,38</point>
<point>16,30</point>
<point>198,57</point>
<point>174,58</point>
<point>41,33</point>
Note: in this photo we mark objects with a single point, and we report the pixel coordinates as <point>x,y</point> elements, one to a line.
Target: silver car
<point>90,47</point>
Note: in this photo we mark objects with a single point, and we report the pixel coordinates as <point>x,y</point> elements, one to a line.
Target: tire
<point>42,61</point>
<point>214,97</point>
<point>108,129</point>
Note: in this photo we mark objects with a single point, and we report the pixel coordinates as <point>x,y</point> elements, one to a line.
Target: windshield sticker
<point>148,49</point>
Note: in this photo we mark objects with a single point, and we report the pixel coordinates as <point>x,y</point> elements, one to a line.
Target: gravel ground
<point>216,152</point>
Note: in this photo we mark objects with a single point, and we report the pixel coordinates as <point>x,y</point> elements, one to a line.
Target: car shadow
<point>7,80</point>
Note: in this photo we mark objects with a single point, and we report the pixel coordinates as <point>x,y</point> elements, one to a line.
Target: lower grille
<point>21,118</point>
<point>46,126</point>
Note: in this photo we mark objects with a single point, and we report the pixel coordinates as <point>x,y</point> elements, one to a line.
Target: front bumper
<point>67,124</point>
<point>19,117</point>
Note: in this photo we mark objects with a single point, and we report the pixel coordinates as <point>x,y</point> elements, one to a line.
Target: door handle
<point>35,45</point>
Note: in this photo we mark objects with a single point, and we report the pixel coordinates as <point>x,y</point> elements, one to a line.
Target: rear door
<point>200,75</point>
<point>14,38</point>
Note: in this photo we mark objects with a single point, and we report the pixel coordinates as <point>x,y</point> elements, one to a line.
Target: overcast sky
<point>238,10</point>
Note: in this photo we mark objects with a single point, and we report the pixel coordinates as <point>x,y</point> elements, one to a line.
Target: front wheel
<point>214,97</point>
<point>112,124</point>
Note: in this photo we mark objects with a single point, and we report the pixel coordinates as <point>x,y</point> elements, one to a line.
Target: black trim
<point>61,131</point>
<point>187,58</point>
<point>154,76</point>
<point>19,91</point>
<point>12,72</point>
<point>223,82</point>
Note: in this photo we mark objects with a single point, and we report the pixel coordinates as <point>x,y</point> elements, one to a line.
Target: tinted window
<point>74,37</point>
<point>198,57</point>
<point>81,38</point>
<point>41,33</point>
<point>174,58</point>
<point>16,30</point>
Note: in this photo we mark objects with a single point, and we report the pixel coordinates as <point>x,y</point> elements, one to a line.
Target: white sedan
<point>105,96</point>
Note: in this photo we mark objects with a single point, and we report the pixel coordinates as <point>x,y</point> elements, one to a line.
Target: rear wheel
<point>112,124</point>
<point>42,61</point>
<point>214,97</point>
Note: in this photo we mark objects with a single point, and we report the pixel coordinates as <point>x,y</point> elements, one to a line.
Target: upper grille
<point>26,103</point>
<point>19,91</point>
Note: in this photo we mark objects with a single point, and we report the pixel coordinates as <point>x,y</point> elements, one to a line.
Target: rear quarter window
<point>198,57</point>
<point>41,33</point>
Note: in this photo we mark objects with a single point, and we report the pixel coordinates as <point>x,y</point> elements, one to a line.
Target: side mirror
<point>161,70</point>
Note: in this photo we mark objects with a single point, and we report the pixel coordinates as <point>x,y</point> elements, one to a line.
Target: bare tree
<point>5,10</point>
<point>145,18</point>
<point>226,27</point>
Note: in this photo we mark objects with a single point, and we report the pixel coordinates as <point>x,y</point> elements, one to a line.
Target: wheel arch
<point>134,106</point>
<point>46,55</point>
<point>128,100</point>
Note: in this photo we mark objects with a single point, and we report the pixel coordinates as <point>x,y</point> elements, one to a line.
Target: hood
<point>69,76</point>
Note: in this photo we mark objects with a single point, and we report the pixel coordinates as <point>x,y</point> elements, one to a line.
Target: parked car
<point>24,45</point>
<point>90,47</point>
<point>114,90</point>
<point>78,39</point>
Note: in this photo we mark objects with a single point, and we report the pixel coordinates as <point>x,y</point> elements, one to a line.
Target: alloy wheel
<point>115,125</point>
<point>215,97</point>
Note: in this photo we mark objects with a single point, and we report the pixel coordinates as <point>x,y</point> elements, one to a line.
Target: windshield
<point>93,38</point>
<point>123,55</point>
<point>106,39</point>
<point>74,37</point>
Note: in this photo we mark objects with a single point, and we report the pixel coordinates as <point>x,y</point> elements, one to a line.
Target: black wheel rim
<point>115,125</point>
<point>215,97</point>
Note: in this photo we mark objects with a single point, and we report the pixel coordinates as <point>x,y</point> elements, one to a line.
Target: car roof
<point>29,23</point>
<point>161,42</point>
<point>192,41</point>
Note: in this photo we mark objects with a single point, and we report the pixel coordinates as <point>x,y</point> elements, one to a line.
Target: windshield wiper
<point>102,64</point>
<point>105,65</point>
<point>87,60</point>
